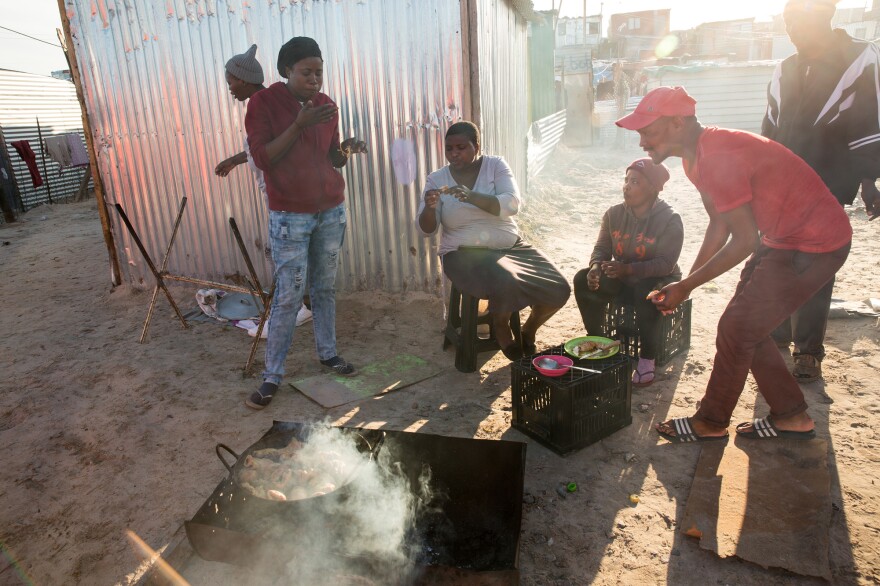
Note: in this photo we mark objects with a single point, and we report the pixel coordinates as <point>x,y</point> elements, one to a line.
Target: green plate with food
<point>592,347</point>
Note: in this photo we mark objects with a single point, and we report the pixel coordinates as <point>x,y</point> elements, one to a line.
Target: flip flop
<point>764,429</point>
<point>641,376</point>
<point>684,433</point>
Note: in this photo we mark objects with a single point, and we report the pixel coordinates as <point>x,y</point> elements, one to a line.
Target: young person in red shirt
<point>765,204</point>
<point>293,134</point>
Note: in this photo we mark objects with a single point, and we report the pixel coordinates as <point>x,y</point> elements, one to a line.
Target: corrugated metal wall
<point>544,135</point>
<point>503,74</point>
<point>542,79</point>
<point>163,118</point>
<point>24,98</point>
<point>731,96</point>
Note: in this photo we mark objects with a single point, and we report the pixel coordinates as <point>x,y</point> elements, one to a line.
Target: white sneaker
<point>304,315</point>
<point>252,332</point>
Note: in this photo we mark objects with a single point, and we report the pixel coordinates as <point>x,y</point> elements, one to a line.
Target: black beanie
<point>296,49</point>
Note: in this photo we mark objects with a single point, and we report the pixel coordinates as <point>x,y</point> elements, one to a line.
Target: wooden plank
<point>764,501</point>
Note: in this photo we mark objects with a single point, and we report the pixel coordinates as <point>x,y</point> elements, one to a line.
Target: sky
<point>685,13</point>
<point>40,18</point>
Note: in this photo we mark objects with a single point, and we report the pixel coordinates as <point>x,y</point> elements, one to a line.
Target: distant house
<point>574,49</point>
<point>634,35</point>
<point>732,40</point>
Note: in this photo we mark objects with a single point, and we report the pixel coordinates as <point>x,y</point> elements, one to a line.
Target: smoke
<point>361,533</point>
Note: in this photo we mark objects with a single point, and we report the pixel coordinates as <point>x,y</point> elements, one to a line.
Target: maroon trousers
<point>772,285</point>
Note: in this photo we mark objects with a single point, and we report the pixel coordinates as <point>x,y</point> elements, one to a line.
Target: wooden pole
<point>8,214</point>
<point>7,161</point>
<point>103,213</point>
<point>43,157</point>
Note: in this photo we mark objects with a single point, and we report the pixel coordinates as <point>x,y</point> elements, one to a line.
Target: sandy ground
<point>101,434</point>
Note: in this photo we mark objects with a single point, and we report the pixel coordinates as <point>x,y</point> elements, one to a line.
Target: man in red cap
<point>823,104</point>
<point>765,204</point>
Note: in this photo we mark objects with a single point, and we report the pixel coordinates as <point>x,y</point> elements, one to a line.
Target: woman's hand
<point>432,198</point>
<point>310,115</point>
<point>461,193</point>
<point>593,277</point>
<point>352,146</point>
<point>615,269</point>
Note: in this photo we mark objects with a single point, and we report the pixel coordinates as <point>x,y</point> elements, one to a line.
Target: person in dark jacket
<point>823,105</point>
<point>636,252</point>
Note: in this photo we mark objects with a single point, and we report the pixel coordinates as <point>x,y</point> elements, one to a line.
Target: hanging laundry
<point>67,150</point>
<point>79,154</point>
<point>23,148</point>
<point>58,151</point>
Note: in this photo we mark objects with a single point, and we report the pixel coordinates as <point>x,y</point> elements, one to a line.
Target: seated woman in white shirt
<point>474,199</point>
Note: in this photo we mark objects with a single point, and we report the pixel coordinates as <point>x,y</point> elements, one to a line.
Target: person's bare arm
<point>743,242</point>
<point>487,203</point>
<point>717,233</point>
<point>739,225</point>
<point>225,166</point>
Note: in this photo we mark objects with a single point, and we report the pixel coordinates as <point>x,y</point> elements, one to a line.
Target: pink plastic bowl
<point>564,365</point>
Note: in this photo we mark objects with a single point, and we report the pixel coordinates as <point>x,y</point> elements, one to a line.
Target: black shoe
<point>339,366</point>
<point>262,397</point>
<point>513,351</point>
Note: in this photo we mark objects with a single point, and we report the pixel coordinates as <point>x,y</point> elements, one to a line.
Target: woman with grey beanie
<point>244,76</point>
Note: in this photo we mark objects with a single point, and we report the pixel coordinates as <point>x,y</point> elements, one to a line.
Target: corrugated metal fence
<point>163,118</point>
<point>504,82</point>
<point>24,99</point>
<point>731,96</point>
<point>544,135</point>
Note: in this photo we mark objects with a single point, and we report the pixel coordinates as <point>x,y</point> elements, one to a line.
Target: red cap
<point>657,175</point>
<point>657,103</point>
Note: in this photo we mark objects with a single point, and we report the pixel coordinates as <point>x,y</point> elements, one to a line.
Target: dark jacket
<point>826,111</point>
<point>651,245</point>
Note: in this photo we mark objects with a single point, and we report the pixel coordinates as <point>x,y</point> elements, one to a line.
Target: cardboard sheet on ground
<point>394,373</point>
<point>768,502</point>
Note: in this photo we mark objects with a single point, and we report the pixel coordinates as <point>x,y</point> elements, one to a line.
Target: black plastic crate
<point>675,330</point>
<point>574,410</point>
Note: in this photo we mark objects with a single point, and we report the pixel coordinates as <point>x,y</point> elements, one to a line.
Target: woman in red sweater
<point>293,134</point>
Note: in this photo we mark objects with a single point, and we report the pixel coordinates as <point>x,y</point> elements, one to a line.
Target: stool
<point>675,330</point>
<point>461,330</point>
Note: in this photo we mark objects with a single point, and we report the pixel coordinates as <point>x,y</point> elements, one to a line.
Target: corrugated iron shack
<point>35,108</point>
<point>401,71</point>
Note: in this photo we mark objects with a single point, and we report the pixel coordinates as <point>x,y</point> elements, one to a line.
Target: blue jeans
<point>305,249</point>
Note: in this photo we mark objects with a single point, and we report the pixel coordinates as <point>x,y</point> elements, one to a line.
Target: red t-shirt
<point>303,180</point>
<point>793,208</point>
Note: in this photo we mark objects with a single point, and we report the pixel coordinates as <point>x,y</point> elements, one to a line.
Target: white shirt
<point>465,224</point>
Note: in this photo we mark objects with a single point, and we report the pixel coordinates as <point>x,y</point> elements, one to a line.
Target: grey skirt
<point>509,278</point>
